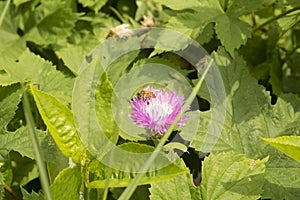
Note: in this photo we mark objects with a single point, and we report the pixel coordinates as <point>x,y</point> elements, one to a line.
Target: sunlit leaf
<point>232,176</point>
<point>59,120</point>
<point>170,189</point>
<point>289,145</point>
<point>160,170</point>
<point>67,184</point>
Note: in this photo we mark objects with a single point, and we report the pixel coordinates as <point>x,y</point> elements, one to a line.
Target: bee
<point>144,94</point>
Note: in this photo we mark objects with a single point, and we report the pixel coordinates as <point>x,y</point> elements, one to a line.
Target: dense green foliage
<point>43,43</point>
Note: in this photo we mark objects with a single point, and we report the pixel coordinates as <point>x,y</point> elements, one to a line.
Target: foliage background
<point>254,43</point>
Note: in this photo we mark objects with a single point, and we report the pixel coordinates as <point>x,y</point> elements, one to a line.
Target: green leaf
<point>180,5</point>
<point>232,32</point>
<point>55,26</point>
<point>31,196</point>
<point>67,184</point>
<point>232,176</point>
<point>24,169</point>
<point>118,68</point>
<point>237,8</point>
<point>161,169</point>
<point>20,141</point>
<point>289,145</point>
<point>170,189</point>
<point>282,183</point>
<point>104,110</point>
<point>249,116</point>
<point>10,97</point>
<point>96,5</point>
<point>251,111</point>
<point>59,120</point>
<point>31,67</point>
<point>73,56</point>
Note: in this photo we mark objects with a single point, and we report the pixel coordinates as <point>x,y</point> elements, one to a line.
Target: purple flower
<point>156,109</point>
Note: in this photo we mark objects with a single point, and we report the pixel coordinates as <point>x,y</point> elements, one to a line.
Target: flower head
<point>156,109</point>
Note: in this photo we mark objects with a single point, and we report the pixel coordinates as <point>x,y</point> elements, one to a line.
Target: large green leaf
<point>59,120</point>
<point>231,31</point>
<point>31,196</point>
<point>160,170</point>
<point>56,25</point>
<point>289,145</point>
<point>31,67</point>
<point>73,56</point>
<point>20,141</point>
<point>67,184</point>
<point>44,23</point>
<point>249,116</point>
<point>94,4</point>
<point>179,187</point>
<point>104,110</point>
<point>232,176</point>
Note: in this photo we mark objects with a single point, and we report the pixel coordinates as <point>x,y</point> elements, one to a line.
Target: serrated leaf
<point>289,145</point>
<point>94,4</point>
<point>59,120</point>
<point>73,57</point>
<point>160,170</point>
<point>29,168</point>
<point>232,32</point>
<point>56,25</point>
<point>232,176</point>
<point>237,8</point>
<point>20,141</point>
<point>251,111</point>
<point>180,5</point>
<point>31,67</point>
<point>31,196</point>
<point>249,116</point>
<point>71,190</point>
<point>282,183</point>
<point>10,97</point>
<point>170,189</point>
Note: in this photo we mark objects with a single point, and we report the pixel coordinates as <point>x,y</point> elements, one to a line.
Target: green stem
<point>134,183</point>
<point>4,12</point>
<point>117,14</point>
<point>277,17</point>
<point>36,147</point>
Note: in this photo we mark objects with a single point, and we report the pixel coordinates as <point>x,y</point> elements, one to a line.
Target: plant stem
<point>116,12</point>
<point>36,147</point>
<point>11,191</point>
<point>4,12</point>
<point>275,18</point>
<point>134,183</point>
